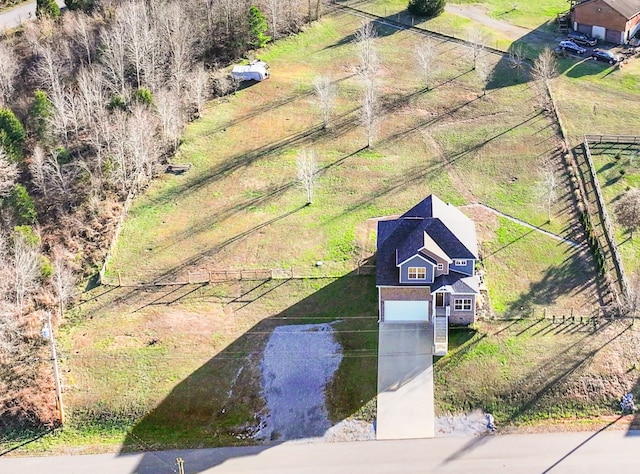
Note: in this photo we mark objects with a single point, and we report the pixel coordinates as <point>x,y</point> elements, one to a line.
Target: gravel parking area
<point>298,362</point>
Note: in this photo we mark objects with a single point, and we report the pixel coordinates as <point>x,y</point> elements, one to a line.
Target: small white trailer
<point>255,71</point>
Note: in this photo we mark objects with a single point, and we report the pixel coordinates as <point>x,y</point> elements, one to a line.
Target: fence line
<point>226,275</point>
<point>582,193</point>
<point>608,228</point>
<point>624,139</point>
<point>114,239</point>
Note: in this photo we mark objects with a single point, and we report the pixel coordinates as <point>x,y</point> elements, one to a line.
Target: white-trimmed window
<point>460,262</point>
<point>417,273</point>
<point>462,304</point>
<point>440,267</point>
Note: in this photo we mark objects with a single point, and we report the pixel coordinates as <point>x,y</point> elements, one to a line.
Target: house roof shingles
<point>400,239</point>
<point>627,8</point>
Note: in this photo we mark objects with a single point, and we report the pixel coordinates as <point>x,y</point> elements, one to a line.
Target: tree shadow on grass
<point>572,276</point>
<point>545,382</point>
<point>220,403</point>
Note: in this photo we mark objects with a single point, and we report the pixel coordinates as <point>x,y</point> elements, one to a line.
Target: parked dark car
<point>572,47</point>
<point>582,38</point>
<point>605,56</point>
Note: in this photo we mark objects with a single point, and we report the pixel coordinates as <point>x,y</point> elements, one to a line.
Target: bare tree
<point>26,269</point>
<point>427,60</point>
<point>308,172</point>
<point>10,336</point>
<point>367,50</point>
<point>8,174</point>
<point>51,72</point>
<point>142,145</point>
<point>476,39</point>
<point>132,21</point>
<point>63,280</point>
<point>325,95</point>
<point>484,71</point>
<point>627,210</point>
<point>113,57</point>
<point>79,30</point>
<point>91,94</point>
<point>369,112</point>
<point>179,38</point>
<point>199,87</point>
<point>544,69</point>
<point>8,71</point>
<point>171,116</point>
<point>367,72</point>
<point>274,10</point>
<point>549,188</point>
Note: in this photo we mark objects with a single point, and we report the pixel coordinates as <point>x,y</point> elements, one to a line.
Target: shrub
<point>47,8</point>
<point>426,7</point>
<point>117,102</point>
<point>22,205</point>
<point>84,5</point>
<point>28,235</point>
<point>63,155</point>
<point>46,268</point>
<point>257,28</point>
<point>142,95</point>
<point>39,114</point>
<point>11,135</point>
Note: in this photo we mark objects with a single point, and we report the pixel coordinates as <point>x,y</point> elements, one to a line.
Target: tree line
<point>93,101</point>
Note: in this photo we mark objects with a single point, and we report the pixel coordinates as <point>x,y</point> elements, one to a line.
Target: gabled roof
<point>460,226</point>
<point>432,247</point>
<point>627,8</point>
<point>432,225</point>
<point>454,284</point>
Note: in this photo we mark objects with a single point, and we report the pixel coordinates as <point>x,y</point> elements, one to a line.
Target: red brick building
<point>616,21</point>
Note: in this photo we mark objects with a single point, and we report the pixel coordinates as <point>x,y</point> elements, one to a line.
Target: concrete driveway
<point>405,381</point>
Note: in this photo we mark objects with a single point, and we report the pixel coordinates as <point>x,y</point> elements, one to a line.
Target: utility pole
<point>47,333</point>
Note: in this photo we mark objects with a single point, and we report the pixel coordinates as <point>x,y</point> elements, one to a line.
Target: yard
<point>176,366</point>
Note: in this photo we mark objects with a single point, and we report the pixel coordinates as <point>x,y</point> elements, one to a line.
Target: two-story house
<point>425,268</point>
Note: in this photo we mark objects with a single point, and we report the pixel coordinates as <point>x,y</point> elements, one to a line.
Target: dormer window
<point>459,262</point>
<point>440,267</point>
<point>417,273</point>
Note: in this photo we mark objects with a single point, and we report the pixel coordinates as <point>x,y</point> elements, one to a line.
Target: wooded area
<point>91,105</point>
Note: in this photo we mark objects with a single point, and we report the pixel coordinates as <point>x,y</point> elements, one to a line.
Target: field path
<point>526,224</point>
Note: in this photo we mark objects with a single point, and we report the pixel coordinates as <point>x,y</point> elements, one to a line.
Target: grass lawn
<point>178,366</point>
<point>533,370</point>
<point>618,169</point>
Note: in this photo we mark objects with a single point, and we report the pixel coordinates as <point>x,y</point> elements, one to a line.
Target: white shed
<point>255,71</point>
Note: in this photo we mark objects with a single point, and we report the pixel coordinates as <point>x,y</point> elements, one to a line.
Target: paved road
<point>607,451</point>
<point>18,15</point>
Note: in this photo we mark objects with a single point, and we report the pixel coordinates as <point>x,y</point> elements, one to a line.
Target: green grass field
<point>153,368</point>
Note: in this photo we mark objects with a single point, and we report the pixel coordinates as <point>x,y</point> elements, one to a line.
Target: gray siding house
<point>425,267</point>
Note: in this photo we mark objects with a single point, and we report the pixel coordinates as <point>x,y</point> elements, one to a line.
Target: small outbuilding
<point>254,71</point>
<point>616,21</point>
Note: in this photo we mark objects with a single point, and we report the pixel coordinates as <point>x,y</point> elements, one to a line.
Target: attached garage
<point>406,311</point>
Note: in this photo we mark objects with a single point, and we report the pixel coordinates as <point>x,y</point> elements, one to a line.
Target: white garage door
<point>403,311</point>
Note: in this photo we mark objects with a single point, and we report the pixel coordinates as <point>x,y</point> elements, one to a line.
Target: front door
<point>439,300</point>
